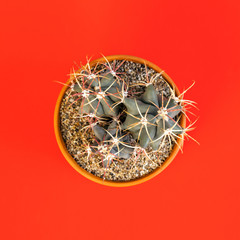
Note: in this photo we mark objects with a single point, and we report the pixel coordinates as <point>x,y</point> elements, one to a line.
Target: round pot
<point>92,177</point>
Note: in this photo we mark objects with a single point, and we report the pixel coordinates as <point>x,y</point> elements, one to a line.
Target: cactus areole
<point>122,123</point>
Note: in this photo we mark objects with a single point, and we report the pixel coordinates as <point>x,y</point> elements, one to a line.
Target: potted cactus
<point>120,120</point>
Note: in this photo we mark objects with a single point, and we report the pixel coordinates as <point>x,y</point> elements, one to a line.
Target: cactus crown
<point>124,124</point>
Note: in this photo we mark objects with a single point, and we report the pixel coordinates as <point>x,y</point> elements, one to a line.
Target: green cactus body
<point>148,119</point>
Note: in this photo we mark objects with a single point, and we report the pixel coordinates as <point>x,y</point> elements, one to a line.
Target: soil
<point>72,125</point>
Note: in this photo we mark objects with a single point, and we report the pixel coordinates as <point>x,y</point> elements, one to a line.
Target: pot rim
<point>92,177</point>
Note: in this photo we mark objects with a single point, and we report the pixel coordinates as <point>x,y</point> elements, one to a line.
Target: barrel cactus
<point>122,124</point>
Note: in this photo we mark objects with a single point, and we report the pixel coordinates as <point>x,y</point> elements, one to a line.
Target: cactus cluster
<point>123,124</point>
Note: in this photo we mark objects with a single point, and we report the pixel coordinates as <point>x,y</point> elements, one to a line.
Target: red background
<point>42,197</point>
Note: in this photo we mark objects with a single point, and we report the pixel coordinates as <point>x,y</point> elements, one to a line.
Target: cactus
<point>100,95</point>
<point>148,119</point>
<point>114,141</point>
<point>151,117</point>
